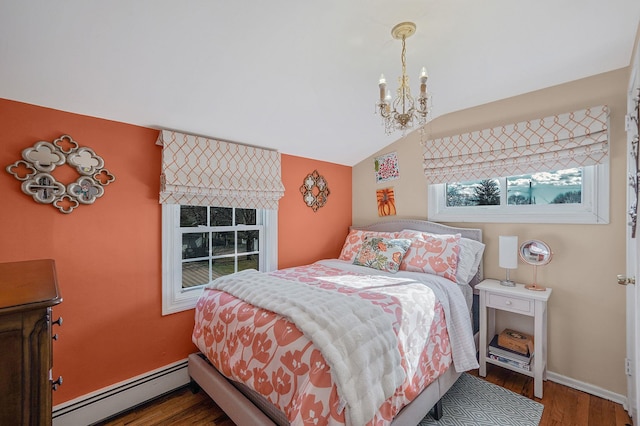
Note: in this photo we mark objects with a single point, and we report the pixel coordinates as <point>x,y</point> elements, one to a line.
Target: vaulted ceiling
<point>297,76</point>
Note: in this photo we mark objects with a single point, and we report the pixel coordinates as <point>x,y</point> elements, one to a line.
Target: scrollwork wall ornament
<point>38,163</point>
<point>314,190</point>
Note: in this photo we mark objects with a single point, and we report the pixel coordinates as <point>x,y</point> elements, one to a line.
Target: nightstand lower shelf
<point>499,363</point>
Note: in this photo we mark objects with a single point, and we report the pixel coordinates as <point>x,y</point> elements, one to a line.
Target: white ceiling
<point>297,76</point>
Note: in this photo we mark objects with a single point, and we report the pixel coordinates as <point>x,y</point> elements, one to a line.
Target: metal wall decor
<point>40,160</point>
<point>315,191</point>
<point>634,174</point>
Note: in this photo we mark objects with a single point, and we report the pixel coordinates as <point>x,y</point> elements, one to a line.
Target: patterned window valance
<point>206,172</point>
<point>575,139</point>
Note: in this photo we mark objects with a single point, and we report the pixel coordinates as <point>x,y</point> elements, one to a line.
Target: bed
<point>261,369</point>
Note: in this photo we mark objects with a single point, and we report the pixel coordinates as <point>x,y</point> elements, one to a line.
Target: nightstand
<point>495,297</point>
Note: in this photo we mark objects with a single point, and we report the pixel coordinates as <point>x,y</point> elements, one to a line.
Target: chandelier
<point>404,111</point>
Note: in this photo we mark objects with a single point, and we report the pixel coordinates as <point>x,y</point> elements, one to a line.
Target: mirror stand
<point>535,286</point>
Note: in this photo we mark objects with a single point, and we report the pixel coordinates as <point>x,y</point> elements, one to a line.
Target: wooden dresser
<point>28,290</point>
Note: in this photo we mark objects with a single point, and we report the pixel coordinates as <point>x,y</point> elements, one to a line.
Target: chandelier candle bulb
<point>383,87</point>
<point>423,75</point>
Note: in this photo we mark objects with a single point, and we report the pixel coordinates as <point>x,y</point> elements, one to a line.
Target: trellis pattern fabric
<point>200,171</point>
<point>574,139</point>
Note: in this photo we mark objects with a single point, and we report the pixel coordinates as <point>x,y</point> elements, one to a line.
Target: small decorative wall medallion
<point>34,171</point>
<point>314,191</point>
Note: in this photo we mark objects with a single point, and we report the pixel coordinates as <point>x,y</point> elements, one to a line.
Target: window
<point>202,243</point>
<point>576,195</point>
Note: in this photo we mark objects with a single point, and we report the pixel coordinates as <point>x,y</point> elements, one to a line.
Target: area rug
<point>473,401</point>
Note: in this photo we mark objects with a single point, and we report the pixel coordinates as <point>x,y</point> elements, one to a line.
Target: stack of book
<point>509,356</point>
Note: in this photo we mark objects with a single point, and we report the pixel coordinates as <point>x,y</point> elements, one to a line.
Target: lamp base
<point>535,287</point>
<point>507,283</point>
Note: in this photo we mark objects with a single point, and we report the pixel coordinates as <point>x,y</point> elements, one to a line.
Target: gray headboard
<point>397,225</point>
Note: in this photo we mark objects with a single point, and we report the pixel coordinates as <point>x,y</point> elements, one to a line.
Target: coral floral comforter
<point>270,355</point>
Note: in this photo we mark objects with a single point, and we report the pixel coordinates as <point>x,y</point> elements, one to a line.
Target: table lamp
<point>508,256</point>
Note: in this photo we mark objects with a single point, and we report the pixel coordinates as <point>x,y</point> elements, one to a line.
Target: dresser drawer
<point>510,303</point>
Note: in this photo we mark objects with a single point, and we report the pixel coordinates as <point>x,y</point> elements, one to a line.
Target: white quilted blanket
<point>355,336</point>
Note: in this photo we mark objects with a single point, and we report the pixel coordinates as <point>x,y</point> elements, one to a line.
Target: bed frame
<point>246,408</point>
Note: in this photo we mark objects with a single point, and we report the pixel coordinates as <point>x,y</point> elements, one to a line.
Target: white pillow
<point>469,259</point>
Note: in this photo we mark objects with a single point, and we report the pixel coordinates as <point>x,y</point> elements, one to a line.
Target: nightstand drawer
<point>509,303</point>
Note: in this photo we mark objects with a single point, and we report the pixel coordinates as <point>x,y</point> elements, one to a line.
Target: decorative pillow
<point>380,253</point>
<point>469,259</point>
<point>432,254</point>
<point>354,241</point>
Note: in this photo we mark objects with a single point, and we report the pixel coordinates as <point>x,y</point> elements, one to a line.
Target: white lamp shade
<point>508,251</point>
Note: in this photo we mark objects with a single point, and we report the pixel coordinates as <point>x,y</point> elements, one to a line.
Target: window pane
<point>557,187</point>
<point>221,216</point>
<point>193,216</point>
<point>195,244</point>
<point>248,262</point>
<point>474,193</point>
<point>223,243</point>
<point>245,216</point>
<point>224,266</point>
<point>248,241</point>
<point>195,273</point>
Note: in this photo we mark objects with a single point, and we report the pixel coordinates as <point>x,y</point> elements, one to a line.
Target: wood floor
<point>563,406</point>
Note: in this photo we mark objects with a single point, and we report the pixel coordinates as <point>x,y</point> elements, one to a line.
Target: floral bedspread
<point>269,354</point>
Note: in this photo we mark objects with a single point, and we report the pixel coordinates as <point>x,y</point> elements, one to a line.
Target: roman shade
<point>574,139</point>
<point>200,171</point>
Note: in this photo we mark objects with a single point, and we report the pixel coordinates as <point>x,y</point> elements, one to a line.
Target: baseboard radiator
<point>107,402</point>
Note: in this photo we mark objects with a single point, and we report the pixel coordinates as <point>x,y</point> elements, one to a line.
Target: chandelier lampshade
<point>403,112</point>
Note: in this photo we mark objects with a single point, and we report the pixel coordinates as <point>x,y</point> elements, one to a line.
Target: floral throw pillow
<point>432,254</point>
<point>384,254</point>
<point>353,242</point>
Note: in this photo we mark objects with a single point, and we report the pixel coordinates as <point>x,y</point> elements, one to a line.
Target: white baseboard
<point>588,388</point>
<point>106,402</point>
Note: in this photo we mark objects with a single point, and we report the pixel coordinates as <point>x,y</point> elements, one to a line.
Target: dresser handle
<point>54,337</point>
<point>58,321</point>
<point>56,383</point>
<point>508,303</point>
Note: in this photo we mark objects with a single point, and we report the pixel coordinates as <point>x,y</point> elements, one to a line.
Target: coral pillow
<point>384,254</point>
<point>354,241</point>
<point>432,254</point>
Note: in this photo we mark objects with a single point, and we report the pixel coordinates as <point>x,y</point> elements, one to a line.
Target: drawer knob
<point>55,336</point>
<point>55,384</point>
<point>58,321</point>
<point>508,303</point>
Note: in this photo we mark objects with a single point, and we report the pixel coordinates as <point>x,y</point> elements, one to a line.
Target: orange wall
<point>305,236</point>
<point>108,255</point>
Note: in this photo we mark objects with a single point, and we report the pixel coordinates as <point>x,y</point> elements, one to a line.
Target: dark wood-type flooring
<point>562,406</point>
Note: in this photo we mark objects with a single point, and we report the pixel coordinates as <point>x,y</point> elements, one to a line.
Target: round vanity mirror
<point>535,253</point>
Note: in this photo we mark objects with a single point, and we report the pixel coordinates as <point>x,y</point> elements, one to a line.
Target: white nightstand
<point>519,300</point>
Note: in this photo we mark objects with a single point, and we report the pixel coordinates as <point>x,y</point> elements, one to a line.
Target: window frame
<point>175,298</point>
<point>594,208</point>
